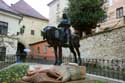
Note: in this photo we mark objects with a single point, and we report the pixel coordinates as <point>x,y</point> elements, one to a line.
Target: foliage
<point>97,81</point>
<point>13,73</point>
<point>85,14</point>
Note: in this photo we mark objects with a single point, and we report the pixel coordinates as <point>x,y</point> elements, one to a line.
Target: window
<point>53,50</point>
<point>119,12</point>
<point>2,53</point>
<point>38,50</point>
<point>22,29</point>
<point>32,32</point>
<point>18,33</point>
<point>45,49</point>
<point>32,49</point>
<point>3,28</point>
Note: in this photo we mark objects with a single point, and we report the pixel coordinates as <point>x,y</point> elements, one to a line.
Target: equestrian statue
<point>62,37</point>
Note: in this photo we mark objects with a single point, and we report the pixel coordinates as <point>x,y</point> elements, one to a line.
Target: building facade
<point>31,23</point>
<point>115,14</point>
<point>9,26</point>
<point>41,50</point>
<point>19,27</point>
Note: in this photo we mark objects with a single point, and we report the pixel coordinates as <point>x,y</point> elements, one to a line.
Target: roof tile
<point>25,9</point>
<point>5,7</point>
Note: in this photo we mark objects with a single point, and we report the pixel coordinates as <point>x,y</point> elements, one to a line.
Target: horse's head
<point>49,33</point>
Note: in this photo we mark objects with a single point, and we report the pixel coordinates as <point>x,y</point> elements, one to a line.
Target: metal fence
<point>108,68</point>
<point>11,59</point>
<point>8,60</point>
<point>40,60</point>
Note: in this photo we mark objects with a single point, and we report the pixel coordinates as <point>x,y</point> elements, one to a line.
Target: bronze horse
<point>58,43</point>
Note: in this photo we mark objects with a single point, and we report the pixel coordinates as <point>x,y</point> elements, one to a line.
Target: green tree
<point>85,14</point>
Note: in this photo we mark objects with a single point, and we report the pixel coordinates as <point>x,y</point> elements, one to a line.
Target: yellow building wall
<point>31,24</point>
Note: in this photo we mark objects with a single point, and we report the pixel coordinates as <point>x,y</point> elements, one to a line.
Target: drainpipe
<point>124,19</point>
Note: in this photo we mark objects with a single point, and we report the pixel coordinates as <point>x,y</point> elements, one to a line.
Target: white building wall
<point>13,22</point>
<point>63,5</point>
<point>11,45</point>
<point>52,13</point>
<point>10,41</point>
<point>56,9</point>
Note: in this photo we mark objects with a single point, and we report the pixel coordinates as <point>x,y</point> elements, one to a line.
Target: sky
<point>38,5</point>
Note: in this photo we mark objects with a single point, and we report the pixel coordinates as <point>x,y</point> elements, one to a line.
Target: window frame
<point>119,12</point>
<point>2,53</point>
<point>38,50</point>
<point>45,49</point>
<point>3,28</point>
<point>32,32</point>
<point>22,29</point>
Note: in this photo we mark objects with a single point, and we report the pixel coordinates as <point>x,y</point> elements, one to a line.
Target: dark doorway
<point>21,55</point>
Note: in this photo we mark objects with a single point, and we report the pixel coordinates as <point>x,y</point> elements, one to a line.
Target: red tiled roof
<point>25,9</point>
<point>6,8</point>
<point>37,42</point>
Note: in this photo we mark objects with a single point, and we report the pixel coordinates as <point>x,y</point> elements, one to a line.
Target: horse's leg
<point>78,53</point>
<point>56,57</point>
<point>74,53</point>
<point>60,55</point>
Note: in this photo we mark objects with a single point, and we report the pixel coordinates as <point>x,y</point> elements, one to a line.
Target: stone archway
<point>21,55</point>
<point>20,48</point>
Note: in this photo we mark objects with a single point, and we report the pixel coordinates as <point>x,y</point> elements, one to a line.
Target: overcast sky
<point>39,5</point>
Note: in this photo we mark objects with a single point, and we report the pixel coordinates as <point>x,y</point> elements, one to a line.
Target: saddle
<point>61,35</point>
